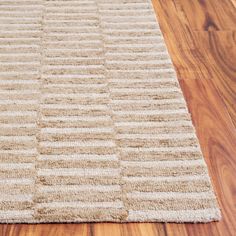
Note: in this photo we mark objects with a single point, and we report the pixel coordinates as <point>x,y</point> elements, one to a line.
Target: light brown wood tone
<point>200,35</point>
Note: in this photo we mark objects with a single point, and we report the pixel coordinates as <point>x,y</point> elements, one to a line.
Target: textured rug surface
<point>93,124</point>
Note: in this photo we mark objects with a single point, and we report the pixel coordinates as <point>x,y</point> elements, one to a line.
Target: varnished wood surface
<point>201,39</point>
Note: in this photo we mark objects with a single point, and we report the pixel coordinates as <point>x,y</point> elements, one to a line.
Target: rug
<point>93,123</point>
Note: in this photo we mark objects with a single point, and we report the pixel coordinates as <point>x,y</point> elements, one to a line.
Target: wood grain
<point>218,140</point>
<point>209,15</point>
<point>200,37</point>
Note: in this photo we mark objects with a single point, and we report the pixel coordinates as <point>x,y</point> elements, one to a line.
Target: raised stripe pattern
<point>73,85</point>
<point>94,126</point>
<point>154,135</point>
<point>20,55</point>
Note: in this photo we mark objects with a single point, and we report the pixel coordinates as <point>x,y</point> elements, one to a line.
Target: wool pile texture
<point>93,123</point>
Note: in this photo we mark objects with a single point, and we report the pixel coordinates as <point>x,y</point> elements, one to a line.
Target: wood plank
<point>143,229</point>
<point>222,46</point>
<point>218,140</point>
<point>106,229</point>
<point>173,229</point>
<point>45,229</point>
<point>191,60</point>
<point>201,54</point>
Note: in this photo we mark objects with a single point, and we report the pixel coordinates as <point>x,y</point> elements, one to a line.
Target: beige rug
<point>93,124</point>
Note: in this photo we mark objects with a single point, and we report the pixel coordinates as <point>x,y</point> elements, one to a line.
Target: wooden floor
<point>201,38</point>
